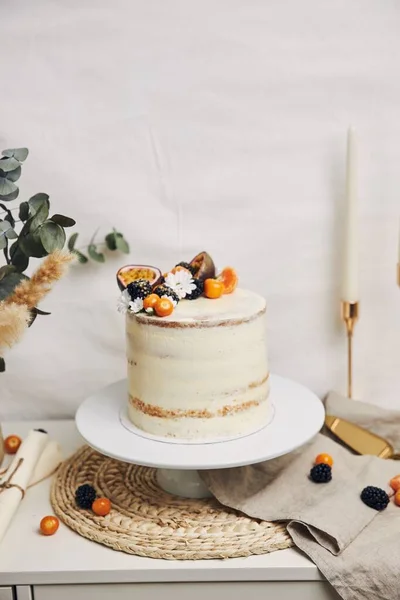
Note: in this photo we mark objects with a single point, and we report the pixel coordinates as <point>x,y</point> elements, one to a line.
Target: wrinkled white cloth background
<point>215,125</point>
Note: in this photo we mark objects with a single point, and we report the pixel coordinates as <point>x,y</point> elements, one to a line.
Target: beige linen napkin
<point>354,546</point>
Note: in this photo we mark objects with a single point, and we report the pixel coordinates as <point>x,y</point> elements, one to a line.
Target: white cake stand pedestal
<point>296,417</point>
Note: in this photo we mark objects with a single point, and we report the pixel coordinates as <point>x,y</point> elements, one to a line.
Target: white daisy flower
<point>123,302</point>
<point>136,305</point>
<point>181,282</point>
<point>174,302</point>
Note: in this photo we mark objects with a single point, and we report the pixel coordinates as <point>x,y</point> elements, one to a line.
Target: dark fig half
<point>130,273</point>
<point>203,266</point>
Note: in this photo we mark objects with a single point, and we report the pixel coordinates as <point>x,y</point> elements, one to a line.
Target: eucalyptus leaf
<point>23,211</point>
<point>9,216</point>
<point>122,245</point>
<point>95,255</point>
<point>6,187</point>
<point>63,221</point>
<point>81,257</point>
<point>14,175</point>
<point>9,164</point>
<point>2,365</point>
<point>5,270</point>
<point>4,226</point>
<point>37,201</point>
<point>31,245</point>
<point>41,312</point>
<point>39,217</point>
<point>52,236</point>
<point>72,241</point>
<point>9,282</point>
<point>11,234</point>
<point>110,240</point>
<point>19,259</point>
<point>12,196</point>
<point>20,154</point>
<point>3,241</point>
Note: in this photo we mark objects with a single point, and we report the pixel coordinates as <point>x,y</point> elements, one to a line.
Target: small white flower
<point>180,282</point>
<point>123,302</point>
<point>174,302</point>
<point>136,305</point>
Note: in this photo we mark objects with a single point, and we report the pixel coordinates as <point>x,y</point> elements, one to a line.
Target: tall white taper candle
<point>350,282</point>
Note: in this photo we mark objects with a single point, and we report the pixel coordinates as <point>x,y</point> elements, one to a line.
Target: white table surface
<point>28,558</point>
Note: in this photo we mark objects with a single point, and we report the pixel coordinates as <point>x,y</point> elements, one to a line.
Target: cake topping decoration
<point>144,287</point>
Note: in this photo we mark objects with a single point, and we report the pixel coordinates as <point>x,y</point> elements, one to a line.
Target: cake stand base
<point>297,416</point>
<point>187,484</point>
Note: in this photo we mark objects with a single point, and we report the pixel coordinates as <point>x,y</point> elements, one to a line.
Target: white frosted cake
<point>202,371</point>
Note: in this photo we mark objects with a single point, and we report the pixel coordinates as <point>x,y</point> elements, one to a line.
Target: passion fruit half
<point>130,273</point>
<point>203,266</point>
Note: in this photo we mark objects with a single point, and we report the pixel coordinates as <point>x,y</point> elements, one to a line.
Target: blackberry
<point>197,292</point>
<point>139,289</point>
<point>187,266</point>
<point>41,430</point>
<point>85,495</point>
<point>164,290</point>
<point>321,473</point>
<point>374,497</point>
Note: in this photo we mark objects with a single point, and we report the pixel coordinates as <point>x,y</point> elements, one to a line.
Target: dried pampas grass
<point>14,319</point>
<point>31,291</point>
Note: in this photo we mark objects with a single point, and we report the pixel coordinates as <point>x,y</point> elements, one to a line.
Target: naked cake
<point>196,350</point>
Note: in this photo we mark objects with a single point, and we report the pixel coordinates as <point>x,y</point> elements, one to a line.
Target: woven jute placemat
<point>147,521</point>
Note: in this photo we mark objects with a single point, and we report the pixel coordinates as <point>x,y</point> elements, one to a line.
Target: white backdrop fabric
<point>208,124</point>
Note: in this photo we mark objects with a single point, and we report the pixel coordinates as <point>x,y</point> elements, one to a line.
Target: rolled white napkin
<point>21,472</point>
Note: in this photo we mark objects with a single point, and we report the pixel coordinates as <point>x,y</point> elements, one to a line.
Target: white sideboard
<point>65,566</point>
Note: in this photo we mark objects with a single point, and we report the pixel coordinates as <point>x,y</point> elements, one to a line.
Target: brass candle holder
<point>350,314</point>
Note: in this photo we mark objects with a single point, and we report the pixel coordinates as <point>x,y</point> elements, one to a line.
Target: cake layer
<point>203,371</point>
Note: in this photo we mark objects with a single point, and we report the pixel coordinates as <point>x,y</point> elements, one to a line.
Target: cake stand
<point>296,417</point>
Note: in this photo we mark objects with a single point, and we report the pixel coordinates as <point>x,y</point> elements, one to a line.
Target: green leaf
<point>2,365</point>
<point>41,312</point>
<point>9,164</point>
<point>9,216</point>
<point>3,241</point>
<point>11,234</point>
<point>95,255</point>
<point>72,241</point>
<point>63,221</point>
<point>122,245</point>
<point>9,197</point>
<point>39,217</point>
<point>4,226</point>
<point>111,242</point>
<point>52,236</point>
<point>31,245</point>
<point>9,282</point>
<point>81,257</point>
<point>20,154</point>
<point>6,187</point>
<point>19,259</point>
<point>37,201</point>
<point>14,175</point>
<point>5,270</point>
<point>24,211</point>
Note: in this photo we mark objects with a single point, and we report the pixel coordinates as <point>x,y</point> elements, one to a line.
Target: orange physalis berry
<point>163,307</point>
<point>101,506</point>
<point>49,525</point>
<point>229,278</point>
<point>325,459</point>
<point>397,498</point>
<point>395,483</point>
<point>213,288</point>
<point>150,301</point>
<point>12,443</point>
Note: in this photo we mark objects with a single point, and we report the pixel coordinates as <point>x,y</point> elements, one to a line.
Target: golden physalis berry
<point>325,459</point>
<point>229,279</point>
<point>163,307</point>
<point>150,301</point>
<point>101,506</point>
<point>395,483</point>
<point>213,288</point>
<point>49,525</point>
<point>12,443</point>
<point>397,498</point>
